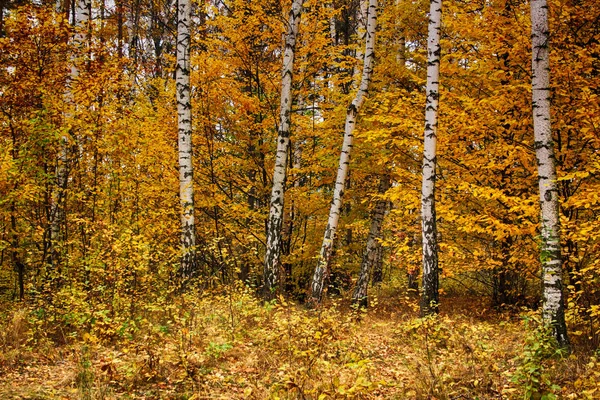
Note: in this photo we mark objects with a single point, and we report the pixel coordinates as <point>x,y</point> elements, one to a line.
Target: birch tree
<point>553,303</point>
<point>361,24</point>
<point>430,296</point>
<point>273,252</point>
<point>324,258</point>
<point>184,124</point>
<point>373,249</point>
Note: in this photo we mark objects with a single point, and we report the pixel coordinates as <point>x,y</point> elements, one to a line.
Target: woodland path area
<point>287,352</point>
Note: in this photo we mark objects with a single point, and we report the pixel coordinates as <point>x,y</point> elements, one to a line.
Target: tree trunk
<point>184,124</point>
<point>332,25</point>
<point>57,206</point>
<point>119,10</point>
<point>289,223</point>
<point>377,265</point>
<point>2,19</point>
<point>430,296</point>
<point>373,249</point>
<point>553,303</point>
<point>271,273</point>
<point>413,273</point>
<point>361,25</point>
<point>324,259</point>
<point>14,249</point>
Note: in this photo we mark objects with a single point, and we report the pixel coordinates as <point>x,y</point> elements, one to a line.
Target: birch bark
<point>553,303</point>
<point>184,124</point>
<point>430,296</point>
<point>271,274</point>
<point>361,25</point>
<point>324,259</point>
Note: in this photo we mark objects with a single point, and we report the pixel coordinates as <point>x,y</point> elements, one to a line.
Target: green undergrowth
<point>229,345</point>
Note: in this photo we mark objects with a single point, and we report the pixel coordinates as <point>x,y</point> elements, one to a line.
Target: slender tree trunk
<point>413,273</point>
<point>332,25</point>
<point>430,296</point>
<point>133,27</point>
<point>119,10</point>
<point>377,274</point>
<point>2,19</point>
<point>553,303</point>
<point>184,124</point>
<point>401,56</point>
<point>271,273</point>
<point>373,249</point>
<point>289,223</point>
<point>14,251</point>
<point>361,25</point>
<point>14,234</point>
<point>57,206</point>
<point>324,259</point>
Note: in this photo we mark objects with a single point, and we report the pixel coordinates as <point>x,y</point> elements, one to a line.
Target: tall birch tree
<point>184,124</point>
<point>271,274</point>
<point>324,259</point>
<point>430,296</point>
<point>553,303</point>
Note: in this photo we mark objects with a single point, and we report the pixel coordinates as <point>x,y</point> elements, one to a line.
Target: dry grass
<point>230,346</point>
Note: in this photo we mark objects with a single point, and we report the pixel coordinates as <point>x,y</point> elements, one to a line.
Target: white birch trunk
<point>271,274</point>
<point>324,259</point>
<point>361,25</point>
<point>430,296</point>
<point>373,249</point>
<point>184,124</point>
<point>553,303</point>
<point>401,56</point>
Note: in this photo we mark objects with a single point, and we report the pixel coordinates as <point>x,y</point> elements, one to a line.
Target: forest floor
<point>230,346</point>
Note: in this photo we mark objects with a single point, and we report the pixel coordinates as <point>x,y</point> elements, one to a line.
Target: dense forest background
<point>94,303</point>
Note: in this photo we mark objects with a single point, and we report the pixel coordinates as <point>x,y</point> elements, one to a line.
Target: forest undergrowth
<point>227,344</point>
